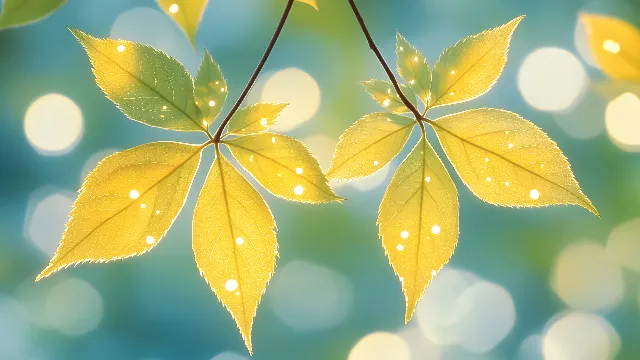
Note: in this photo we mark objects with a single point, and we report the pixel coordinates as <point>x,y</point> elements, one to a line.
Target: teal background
<point>157,307</point>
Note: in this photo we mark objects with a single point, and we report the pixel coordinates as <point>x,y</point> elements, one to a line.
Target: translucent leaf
<point>369,144</point>
<point>615,45</point>
<point>210,89</point>
<point>313,3</point>
<point>146,84</point>
<point>127,204</point>
<point>413,68</point>
<point>506,160</point>
<point>471,67</point>
<point>284,166</point>
<point>418,221</point>
<point>22,12</point>
<point>385,94</point>
<point>255,118</point>
<point>234,242</point>
<point>186,13</point>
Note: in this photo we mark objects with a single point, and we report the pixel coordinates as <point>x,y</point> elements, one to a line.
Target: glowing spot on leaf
<point>157,212</point>
<point>412,82</point>
<point>451,93</point>
<point>415,59</point>
<point>120,48</point>
<point>404,234</point>
<point>510,146</point>
<point>212,103</point>
<point>222,89</point>
<point>427,179</point>
<point>433,273</point>
<point>298,190</point>
<point>506,184</point>
<point>453,72</point>
<point>375,163</point>
<point>435,229</point>
<point>611,46</point>
<point>174,8</point>
<point>486,159</point>
<point>134,194</point>
<point>386,102</point>
<point>164,107</point>
<point>534,194</point>
<point>239,240</point>
<point>400,247</point>
<point>299,171</point>
<point>488,178</point>
<point>263,121</point>
<point>273,139</point>
<point>150,240</point>
<point>143,205</point>
<point>205,123</point>
<point>231,285</point>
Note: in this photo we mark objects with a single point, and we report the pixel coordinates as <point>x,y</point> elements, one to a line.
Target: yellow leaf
<point>418,221</point>
<point>127,204</point>
<point>313,3</point>
<point>210,89</point>
<point>413,68</point>
<point>255,118</point>
<point>506,160</point>
<point>615,45</point>
<point>369,144</point>
<point>385,94</point>
<point>234,242</point>
<point>471,67</point>
<point>147,85</point>
<point>284,166</point>
<point>186,13</point>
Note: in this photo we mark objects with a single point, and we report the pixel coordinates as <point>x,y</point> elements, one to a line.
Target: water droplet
<point>534,194</point>
<point>404,234</point>
<point>389,91</point>
<point>263,121</point>
<point>157,212</point>
<point>375,163</point>
<point>453,72</point>
<point>120,48</point>
<point>541,165</point>
<point>611,46</point>
<point>435,229</point>
<point>298,190</point>
<point>143,205</point>
<point>239,240</point>
<point>251,158</point>
<point>237,293</point>
<point>507,183</point>
<point>174,8</point>
<point>134,194</point>
<point>486,159</point>
<point>427,179</point>
<point>222,89</point>
<point>299,171</point>
<point>273,139</point>
<point>231,285</point>
<point>386,102</point>
<point>164,107</point>
<point>488,178</point>
<point>510,146</point>
<point>412,82</point>
<point>150,240</point>
<point>401,48</point>
<point>415,59</point>
<point>212,103</point>
<point>506,132</point>
<point>451,93</point>
<point>400,247</point>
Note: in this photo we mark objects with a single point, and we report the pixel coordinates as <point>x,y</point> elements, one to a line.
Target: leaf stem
<point>252,80</point>
<point>374,48</point>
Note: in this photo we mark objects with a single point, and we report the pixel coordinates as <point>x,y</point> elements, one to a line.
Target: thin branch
<point>374,48</point>
<point>252,80</point>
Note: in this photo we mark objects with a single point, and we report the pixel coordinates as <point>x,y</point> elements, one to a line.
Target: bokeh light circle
<point>622,120</point>
<point>551,79</point>
<point>73,307</point>
<point>53,124</point>
<point>624,244</point>
<point>586,278</point>
<point>297,88</point>
<point>47,215</point>
<point>228,355</point>
<point>580,336</point>
<point>14,329</point>
<point>380,346</point>
<point>308,297</point>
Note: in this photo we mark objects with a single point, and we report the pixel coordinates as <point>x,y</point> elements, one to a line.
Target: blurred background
<point>525,284</point>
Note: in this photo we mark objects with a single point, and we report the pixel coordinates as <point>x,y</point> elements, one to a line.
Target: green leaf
<point>471,67</point>
<point>385,94</point>
<point>127,204</point>
<point>186,13</point>
<point>413,68</point>
<point>22,12</point>
<point>418,221</point>
<point>506,160</point>
<point>210,89</point>
<point>146,84</point>
<point>255,118</point>
<point>369,144</point>
<point>284,166</point>
<point>234,242</point>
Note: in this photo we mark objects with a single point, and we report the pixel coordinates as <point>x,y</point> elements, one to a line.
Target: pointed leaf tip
<point>313,3</point>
